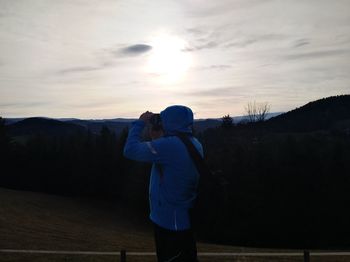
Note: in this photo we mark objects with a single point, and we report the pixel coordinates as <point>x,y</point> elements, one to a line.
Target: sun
<point>168,59</point>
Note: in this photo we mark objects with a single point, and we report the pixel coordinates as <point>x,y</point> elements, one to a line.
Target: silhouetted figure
<point>174,179</point>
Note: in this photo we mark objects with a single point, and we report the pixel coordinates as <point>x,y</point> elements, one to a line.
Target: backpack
<point>207,209</point>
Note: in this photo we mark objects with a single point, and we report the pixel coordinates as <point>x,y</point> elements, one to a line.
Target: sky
<point>112,58</point>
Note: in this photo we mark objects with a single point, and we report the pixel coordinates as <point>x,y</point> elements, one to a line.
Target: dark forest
<point>285,182</point>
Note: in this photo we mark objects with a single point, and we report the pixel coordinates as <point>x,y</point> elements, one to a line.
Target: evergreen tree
<point>4,139</point>
<point>227,121</point>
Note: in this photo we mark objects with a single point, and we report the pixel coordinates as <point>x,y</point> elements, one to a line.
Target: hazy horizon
<point>100,59</point>
<point>134,118</point>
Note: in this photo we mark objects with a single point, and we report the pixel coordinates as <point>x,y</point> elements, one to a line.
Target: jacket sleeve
<point>136,150</point>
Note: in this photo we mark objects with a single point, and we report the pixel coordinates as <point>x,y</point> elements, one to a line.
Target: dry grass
<point>39,221</point>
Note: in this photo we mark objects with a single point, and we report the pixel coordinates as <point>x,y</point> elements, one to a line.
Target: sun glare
<point>168,60</point>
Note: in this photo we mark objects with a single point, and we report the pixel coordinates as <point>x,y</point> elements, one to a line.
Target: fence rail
<point>123,254</point>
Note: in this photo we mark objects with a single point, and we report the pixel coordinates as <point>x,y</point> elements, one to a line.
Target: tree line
<point>277,188</point>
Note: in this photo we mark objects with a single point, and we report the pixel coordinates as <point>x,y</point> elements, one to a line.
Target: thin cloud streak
<point>23,104</point>
<point>213,92</point>
<point>79,69</point>
<point>215,67</point>
<point>216,8</point>
<point>301,42</point>
<point>247,41</point>
<point>209,45</point>
<point>318,54</point>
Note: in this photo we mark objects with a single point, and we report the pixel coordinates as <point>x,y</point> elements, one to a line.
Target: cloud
<point>137,49</point>
<point>203,37</point>
<point>83,69</point>
<point>23,104</point>
<point>208,45</point>
<point>318,54</point>
<point>100,103</point>
<point>249,40</point>
<point>301,42</point>
<point>196,31</point>
<point>216,8</point>
<point>215,92</point>
<point>207,40</point>
<point>79,69</point>
<point>218,67</point>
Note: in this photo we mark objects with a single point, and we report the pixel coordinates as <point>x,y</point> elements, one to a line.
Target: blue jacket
<point>173,191</point>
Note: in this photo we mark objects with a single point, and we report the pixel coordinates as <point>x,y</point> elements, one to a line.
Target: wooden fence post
<point>306,256</point>
<point>123,255</point>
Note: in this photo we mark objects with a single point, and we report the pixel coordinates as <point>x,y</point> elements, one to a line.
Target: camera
<point>156,122</point>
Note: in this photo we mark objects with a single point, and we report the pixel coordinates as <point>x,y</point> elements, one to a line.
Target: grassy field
<point>45,222</point>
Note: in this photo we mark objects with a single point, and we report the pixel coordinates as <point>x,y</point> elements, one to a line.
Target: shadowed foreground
<point>45,222</point>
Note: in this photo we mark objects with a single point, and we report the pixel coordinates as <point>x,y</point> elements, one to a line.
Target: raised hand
<point>146,116</point>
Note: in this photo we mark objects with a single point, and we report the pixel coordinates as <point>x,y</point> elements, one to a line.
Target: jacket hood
<point>177,118</point>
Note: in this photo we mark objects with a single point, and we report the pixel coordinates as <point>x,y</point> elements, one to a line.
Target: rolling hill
<point>331,113</point>
<point>37,125</point>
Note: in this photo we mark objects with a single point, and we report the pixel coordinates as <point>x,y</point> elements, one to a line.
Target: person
<point>173,182</point>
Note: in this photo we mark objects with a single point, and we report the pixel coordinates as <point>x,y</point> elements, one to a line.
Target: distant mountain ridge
<point>236,119</point>
<point>329,113</point>
<point>61,126</point>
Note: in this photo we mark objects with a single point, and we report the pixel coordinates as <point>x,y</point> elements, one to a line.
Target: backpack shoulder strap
<point>195,155</point>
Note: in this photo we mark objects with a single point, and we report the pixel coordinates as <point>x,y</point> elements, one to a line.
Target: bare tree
<point>257,112</point>
<point>263,110</point>
<point>250,110</point>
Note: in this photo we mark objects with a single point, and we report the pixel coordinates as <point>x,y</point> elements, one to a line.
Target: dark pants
<point>175,246</point>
